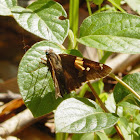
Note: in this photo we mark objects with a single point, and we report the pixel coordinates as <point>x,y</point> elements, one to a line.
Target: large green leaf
<point>42,19</point>
<point>35,81</point>
<point>134,4</point>
<point>111,31</point>
<point>80,115</point>
<point>120,92</point>
<point>5,7</point>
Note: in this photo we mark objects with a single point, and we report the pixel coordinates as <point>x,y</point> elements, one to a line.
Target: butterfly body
<point>69,72</point>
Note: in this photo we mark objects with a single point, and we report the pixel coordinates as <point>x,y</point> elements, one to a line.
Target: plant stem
<point>99,6</point>
<point>118,131</point>
<point>124,84</point>
<point>71,39</point>
<point>74,18</point>
<point>104,108</point>
<point>89,8</point>
<point>97,97</point>
<point>116,5</point>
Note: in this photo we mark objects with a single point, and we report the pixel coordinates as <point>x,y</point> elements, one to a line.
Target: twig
<point>18,123</point>
<point>117,6</point>
<point>119,132</point>
<point>105,109</point>
<point>97,97</point>
<point>122,61</point>
<point>5,97</point>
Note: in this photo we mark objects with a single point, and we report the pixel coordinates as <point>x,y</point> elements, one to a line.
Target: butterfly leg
<point>43,61</point>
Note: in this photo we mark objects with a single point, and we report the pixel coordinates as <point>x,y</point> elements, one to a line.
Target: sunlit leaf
<point>42,19</point>
<point>120,92</point>
<point>111,31</point>
<point>35,81</point>
<point>81,116</point>
<point>5,7</point>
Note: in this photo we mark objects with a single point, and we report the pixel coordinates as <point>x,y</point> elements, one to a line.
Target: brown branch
<point>97,97</point>
<point>122,61</point>
<point>105,109</point>
<point>5,97</point>
<point>18,123</point>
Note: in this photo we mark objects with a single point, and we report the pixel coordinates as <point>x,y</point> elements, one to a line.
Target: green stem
<point>89,8</point>
<point>105,8</point>
<point>74,19</point>
<point>124,84</point>
<point>100,53</point>
<point>71,40</point>
<point>99,6</point>
<point>117,6</point>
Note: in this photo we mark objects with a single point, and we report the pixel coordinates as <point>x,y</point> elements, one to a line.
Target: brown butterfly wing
<point>74,78</point>
<point>95,70</point>
<point>71,73</point>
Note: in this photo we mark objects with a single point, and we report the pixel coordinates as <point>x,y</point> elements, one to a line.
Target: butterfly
<point>69,72</point>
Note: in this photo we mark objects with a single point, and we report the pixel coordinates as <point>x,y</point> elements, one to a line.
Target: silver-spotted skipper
<point>69,72</point>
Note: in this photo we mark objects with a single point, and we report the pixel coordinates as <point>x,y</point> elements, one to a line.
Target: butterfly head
<point>49,53</point>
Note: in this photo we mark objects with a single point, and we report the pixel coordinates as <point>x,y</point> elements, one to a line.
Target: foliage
<point>108,31</point>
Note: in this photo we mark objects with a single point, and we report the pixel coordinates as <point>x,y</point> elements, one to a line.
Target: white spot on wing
<point>79,58</point>
<point>101,66</point>
<point>88,68</point>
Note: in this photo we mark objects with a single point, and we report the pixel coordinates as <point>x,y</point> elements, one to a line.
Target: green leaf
<point>87,136</point>
<point>111,106</point>
<point>80,115</point>
<point>137,133</point>
<point>102,136</point>
<point>5,7</point>
<point>128,128</point>
<point>71,39</point>
<point>128,105</point>
<point>97,2</point>
<point>134,4</point>
<point>111,31</point>
<point>103,96</point>
<point>74,52</point>
<point>98,86</point>
<point>35,81</point>
<point>110,131</point>
<point>42,19</point>
<point>125,128</point>
<point>120,92</point>
<point>117,2</point>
